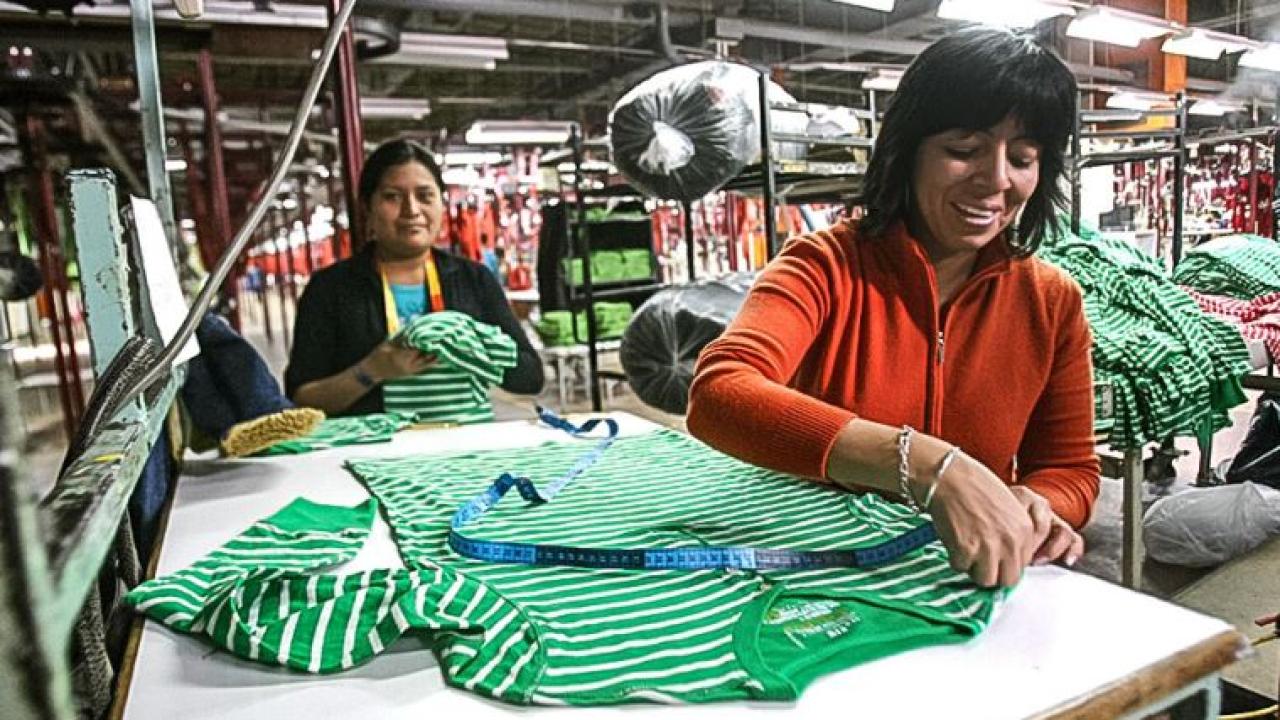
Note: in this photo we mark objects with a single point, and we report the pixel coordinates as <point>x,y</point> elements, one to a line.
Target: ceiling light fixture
<point>1265,57</point>
<point>1210,107</point>
<point>518,132</point>
<point>1008,13</point>
<point>1131,100</point>
<point>1204,44</point>
<point>882,79</point>
<point>394,107</point>
<point>1116,27</point>
<point>881,5</point>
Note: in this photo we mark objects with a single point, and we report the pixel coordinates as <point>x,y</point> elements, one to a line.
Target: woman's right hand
<point>391,361</point>
<point>989,534</point>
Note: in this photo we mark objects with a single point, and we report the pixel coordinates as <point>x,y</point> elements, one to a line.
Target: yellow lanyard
<point>433,292</point>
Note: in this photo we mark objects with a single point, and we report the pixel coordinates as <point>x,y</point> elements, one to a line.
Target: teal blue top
<point>411,302</point>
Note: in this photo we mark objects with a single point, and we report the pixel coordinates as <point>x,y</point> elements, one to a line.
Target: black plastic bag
<point>669,331</point>
<point>1259,457</point>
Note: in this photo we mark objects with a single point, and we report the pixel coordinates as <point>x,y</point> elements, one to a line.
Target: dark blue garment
<point>150,495</point>
<point>228,383</point>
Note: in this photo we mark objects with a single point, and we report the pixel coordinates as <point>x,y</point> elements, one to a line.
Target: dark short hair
<point>972,80</point>
<point>391,154</point>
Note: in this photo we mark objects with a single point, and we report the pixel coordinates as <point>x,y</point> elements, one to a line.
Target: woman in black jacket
<point>341,358</point>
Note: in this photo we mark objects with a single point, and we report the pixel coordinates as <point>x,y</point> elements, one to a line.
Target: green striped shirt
<point>612,636</point>
<point>1173,369</point>
<point>1239,266</point>
<point>562,635</point>
<point>470,358</point>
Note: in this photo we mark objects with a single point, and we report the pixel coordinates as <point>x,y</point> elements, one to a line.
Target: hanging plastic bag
<point>1202,527</point>
<point>686,131</point>
<point>1259,457</point>
<point>661,345</point>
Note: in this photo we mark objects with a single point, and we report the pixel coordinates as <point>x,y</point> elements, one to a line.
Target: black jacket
<point>341,319</point>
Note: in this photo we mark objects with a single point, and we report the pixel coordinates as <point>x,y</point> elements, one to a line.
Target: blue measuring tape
<point>690,558</point>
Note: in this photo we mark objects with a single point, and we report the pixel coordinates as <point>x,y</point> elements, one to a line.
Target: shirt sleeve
<point>526,377</point>
<point>314,337</point>
<point>1057,458</point>
<point>739,402</point>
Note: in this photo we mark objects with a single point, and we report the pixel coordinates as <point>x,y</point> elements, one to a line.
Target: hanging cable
<point>213,282</point>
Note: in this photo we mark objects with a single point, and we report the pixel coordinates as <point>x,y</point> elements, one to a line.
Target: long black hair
<point>391,154</point>
<point>972,80</point>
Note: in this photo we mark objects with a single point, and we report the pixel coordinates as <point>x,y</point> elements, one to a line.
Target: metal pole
<point>147,68</point>
<point>1131,511</point>
<point>335,242</point>
<point>50,255</point>
<point>280,281</point>
<point>1253,185</point>
<point>288,258</point>
<point>61,284</point>
<point>219,205</point>
<point>1179,178</point>
<point>766,172</point>
<point>350,131</point>
<point>580,213</point>
<point>303,214</point>
<point>691,255</point>
<point>262,294</point>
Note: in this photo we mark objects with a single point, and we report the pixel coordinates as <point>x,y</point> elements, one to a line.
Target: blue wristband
<point>365,379</point>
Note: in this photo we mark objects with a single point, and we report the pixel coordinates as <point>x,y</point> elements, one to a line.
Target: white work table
<point>1065,645</point>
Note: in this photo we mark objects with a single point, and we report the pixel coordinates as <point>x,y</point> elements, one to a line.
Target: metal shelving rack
<point>1174,145</point>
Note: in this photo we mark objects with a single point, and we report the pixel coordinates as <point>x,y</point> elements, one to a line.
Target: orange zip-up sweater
<point>839,326</point>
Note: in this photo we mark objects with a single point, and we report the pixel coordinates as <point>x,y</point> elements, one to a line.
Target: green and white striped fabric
<point>1238,266</point>
<point>1173,369</point>
<point>471,357</point>
<point>343,431</point>
<point>255,598</point>
<point>616,636</point>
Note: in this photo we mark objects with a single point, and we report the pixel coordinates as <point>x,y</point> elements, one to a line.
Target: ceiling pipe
<point>662,23</point>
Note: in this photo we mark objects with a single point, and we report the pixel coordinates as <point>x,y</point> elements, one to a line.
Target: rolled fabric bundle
<point>686,131</point>
<point>663,340</point>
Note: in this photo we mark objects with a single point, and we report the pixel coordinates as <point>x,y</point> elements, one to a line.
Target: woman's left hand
<point>1061,542</point>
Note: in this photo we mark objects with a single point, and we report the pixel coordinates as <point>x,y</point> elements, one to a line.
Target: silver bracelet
<point>945,463</point>
<point>904,467</point>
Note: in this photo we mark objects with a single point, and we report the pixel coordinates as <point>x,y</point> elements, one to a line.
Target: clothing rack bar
<point>766,171</point>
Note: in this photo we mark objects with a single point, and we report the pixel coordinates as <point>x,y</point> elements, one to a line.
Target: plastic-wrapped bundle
<point>686,131</point>
<point>662,342</point>
<point>1203,527</point>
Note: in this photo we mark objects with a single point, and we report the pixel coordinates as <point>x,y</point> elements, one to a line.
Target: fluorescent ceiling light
<point>518,132</point>
<point>466,52</point>
<point>392,107</point>
<point>1130,100</point>
<point>1115,27</point>
<point>1266,57</point>
<point>175,165</point>
<point>1205,45</point>
<point>881,5</point>
<point>882,79</point>
<point>1213,108</point>
<point>458,158</point>
<point>1009,13</point>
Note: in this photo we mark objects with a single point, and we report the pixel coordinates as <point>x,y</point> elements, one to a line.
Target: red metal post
<point>1253,186</point>
<point>261,292</point>
<point>216,173</point>
<point>336,240</point>
<point>350,131</point>
<point>39,202</point>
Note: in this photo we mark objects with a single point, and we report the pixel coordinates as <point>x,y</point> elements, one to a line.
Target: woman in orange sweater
<point>923,350</point>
